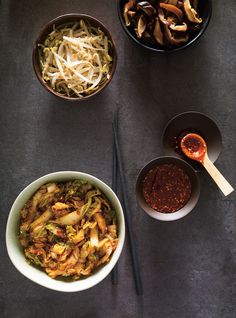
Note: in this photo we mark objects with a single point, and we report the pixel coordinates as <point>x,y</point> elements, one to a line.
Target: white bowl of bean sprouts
<point>74,56</point>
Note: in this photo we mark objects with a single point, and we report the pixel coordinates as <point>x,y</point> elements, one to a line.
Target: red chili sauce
<point>176,142</point>
<point>167,188</point>
<point>195,146</point>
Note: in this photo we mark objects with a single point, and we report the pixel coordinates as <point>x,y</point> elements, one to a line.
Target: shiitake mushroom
<point>166,23</point>
<point>146,7</point>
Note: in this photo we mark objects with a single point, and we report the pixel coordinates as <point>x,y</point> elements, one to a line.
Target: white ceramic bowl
<point>15,250</point>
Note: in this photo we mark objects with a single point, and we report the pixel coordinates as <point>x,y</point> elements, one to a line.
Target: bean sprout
<point>75,60</point>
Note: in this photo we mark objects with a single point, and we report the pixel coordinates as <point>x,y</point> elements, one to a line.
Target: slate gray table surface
<point>188,267</point>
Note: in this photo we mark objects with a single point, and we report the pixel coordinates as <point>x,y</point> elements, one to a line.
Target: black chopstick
<point>133,250</point>
<point>114,273</point>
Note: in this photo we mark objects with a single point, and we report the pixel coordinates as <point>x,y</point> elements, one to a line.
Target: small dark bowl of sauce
<point>167,188</point>
<point>192,122</point>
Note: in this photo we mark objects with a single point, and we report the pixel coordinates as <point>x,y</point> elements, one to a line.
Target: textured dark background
<point>189,266</point>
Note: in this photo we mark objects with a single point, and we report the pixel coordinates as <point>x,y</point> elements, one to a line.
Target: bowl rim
<point>13,246</point>
<point>179,48</point>
<point>167,216</point>
<point>61,18</point>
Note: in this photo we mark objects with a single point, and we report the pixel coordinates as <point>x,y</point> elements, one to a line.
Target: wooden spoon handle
<point>219,179</point>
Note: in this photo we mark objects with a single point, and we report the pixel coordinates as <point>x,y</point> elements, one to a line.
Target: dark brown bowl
<point>68,19</point>
<point>205,10</point>
<point>192,122</point>
<point>189,205</point>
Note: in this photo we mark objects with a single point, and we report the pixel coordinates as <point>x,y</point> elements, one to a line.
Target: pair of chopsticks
<point>114,273</point>
<point>118,167</point>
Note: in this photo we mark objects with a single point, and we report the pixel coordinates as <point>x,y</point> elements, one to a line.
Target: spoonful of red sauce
<point>194,147</point>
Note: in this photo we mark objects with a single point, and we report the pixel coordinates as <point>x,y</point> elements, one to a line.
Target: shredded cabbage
<point>72,230</point>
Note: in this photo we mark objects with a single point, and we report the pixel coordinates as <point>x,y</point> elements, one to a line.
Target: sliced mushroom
<point>141,27</point>
<point>148,38</point>
<point>179,27</point>
<point>147,8</point>
<point>172,40</point>
<point>173,9</point>
<point>131,14</point>
<point>146,35</point>
<point>162,17</point>
<point>171,22</point>
<point>174,2</point>
<point>127,7</point>
<point>180,5</point>
<point>157,32</point>
<point>191,13</point>
<point>150,24</point>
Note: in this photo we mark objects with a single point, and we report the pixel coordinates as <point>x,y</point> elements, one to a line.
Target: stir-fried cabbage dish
<point>75,60</point>
<point>68,229</point>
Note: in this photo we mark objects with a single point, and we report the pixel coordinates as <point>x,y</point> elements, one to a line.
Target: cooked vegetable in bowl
<point>68,229</point>
<point>74,56</point>
<point>164,25</point>
<point>65,225</point>
<point>75,60</point>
